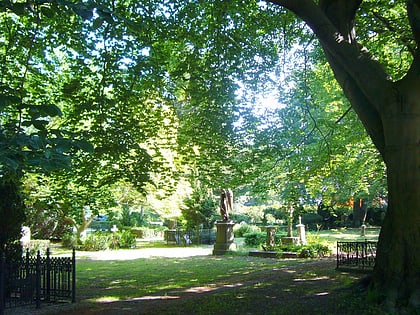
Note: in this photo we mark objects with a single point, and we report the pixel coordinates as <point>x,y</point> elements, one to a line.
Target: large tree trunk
<point>397,270</point>
<point>390,112</point>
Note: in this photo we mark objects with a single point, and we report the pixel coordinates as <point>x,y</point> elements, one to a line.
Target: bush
<point>69,240</point>
<point>38,245</point>
<point>255,239</point>
<point>95,242</point>
<point>243,228</point>
<point>102,241</point>
<point>307,251</point>
<point>314,251</point>
<point>127,240</point>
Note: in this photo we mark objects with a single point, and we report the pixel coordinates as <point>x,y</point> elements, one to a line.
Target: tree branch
<point>363,79</point>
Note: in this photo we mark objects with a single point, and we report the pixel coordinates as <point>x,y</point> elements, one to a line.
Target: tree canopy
<point>155,92</point>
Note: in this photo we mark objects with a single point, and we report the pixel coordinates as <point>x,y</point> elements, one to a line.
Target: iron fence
<point>35,279</point>
<point>187,237</point>
<point>356,255</point>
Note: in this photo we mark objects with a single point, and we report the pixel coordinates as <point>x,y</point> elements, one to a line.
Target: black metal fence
<point>36,279</point>
<point>356,255</point>
<point>187,237</point>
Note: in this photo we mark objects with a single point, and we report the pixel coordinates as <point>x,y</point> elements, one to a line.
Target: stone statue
<point>226,203</point>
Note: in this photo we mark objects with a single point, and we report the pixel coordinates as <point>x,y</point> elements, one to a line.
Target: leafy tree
<point>29,139</point>
<point>134,78</point>
<point>200,209</point>
<point>383,92</point>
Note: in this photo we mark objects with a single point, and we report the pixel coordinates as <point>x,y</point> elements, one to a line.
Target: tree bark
<point>390,112</point>
<point>397,270</point>
<point>359,212</point>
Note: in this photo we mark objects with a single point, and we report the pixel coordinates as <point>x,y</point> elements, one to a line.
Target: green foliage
<point>38,245</point>
<point>96,242</point>
<point>313,251</point>
<point>83,84</point>
<point>199,209</point>
<point>126,216</point>
<point>255,239</point>
<point>127,240</point>
<point>102,241</point>
<point>244,228</point>
<point>69,240</point>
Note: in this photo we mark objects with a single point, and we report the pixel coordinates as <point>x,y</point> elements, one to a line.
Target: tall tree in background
<point>389,109</point>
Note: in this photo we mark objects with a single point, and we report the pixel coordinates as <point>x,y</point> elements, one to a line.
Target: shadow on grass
<point>218,285</point>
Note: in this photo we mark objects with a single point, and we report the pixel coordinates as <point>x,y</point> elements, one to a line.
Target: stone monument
<point>224,233</point>
<point>301,232</point>
<point>290,239</point>
<point>270,241</point>
<point>25,239</point>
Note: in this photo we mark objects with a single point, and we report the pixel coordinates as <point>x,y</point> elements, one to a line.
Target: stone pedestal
<point>271,237</point>
<point>363,230</point>
<point>301,234</point>
<point>290,240</point>
<point>224,238</point>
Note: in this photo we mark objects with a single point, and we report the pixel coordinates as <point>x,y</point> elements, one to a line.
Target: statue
<point>226,203</point>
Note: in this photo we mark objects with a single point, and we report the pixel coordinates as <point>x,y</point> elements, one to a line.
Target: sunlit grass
<point>230,284</point>
<point>127,279</point>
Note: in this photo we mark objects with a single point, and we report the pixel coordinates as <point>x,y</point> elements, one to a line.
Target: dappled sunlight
<point>155,297</point>
<point>312,279</point>
<point>106,299</point>
<point>201,289</point>
<point>150,280</point>
<point>152,253</point>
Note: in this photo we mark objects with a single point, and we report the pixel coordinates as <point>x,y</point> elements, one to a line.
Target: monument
<point>270,241</point>
<point>290,239</point>
<point>301,232</point>
<point>25,238</point>
<point>224,233</point>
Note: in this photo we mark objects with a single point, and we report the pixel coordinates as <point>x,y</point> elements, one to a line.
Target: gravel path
<point>170,252</point>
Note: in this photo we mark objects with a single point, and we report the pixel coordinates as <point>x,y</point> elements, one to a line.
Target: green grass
<point>121,280</point>
<point>343,234</point>
<point>218,285</point>
<point>232,284</point>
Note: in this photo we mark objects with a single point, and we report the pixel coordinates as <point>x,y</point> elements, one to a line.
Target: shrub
<point>314,251</point>
<point>69,240</point>
<point>127,240</point>
<point>38,245</point>
<point>243,228</point>
<point>95,242</point>
<point>255,239</point>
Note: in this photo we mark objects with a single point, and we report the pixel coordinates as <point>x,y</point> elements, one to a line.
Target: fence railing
<point>186,237</point>
<point>35,279</point>
<point>356,255</point>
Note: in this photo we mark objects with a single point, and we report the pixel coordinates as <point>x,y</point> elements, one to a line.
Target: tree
<point>389,110</point>
<point>200,209</point>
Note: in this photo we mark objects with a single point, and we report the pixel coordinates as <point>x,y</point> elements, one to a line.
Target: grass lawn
<point>206,284</point>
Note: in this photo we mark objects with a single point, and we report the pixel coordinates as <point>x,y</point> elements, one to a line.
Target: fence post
<point>38,280</point>
<point>27,269</point>
<point>2,277</point>
<point>73,279</point>
<point>338,257</point>
<point>48,276</point>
